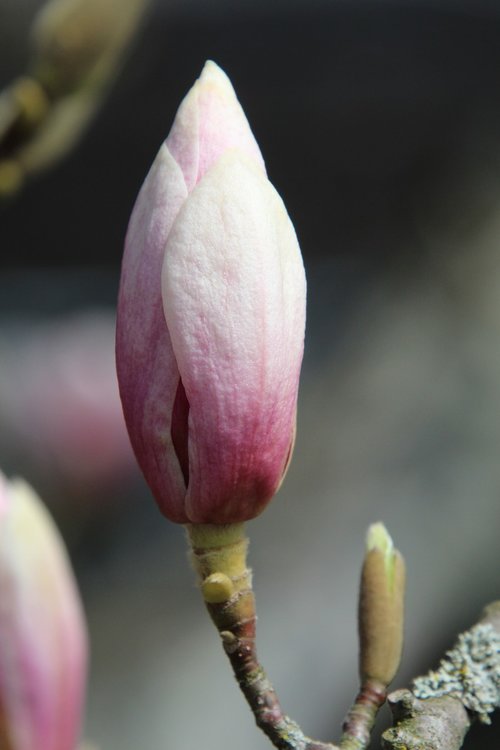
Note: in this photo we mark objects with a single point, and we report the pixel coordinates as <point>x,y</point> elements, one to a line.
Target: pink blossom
<point>59,403</point>
<point>211,317</point>
<point>43,643</point>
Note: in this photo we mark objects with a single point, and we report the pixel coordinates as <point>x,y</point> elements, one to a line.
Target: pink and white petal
<point>234,298</point>
<point>209,121</point>
<point>43,649</point>
<point>147,369</point>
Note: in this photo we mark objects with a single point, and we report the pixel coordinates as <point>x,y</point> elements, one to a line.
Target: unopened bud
<point>11,177</point>
<point>381,607</point>
<point>43,643</point>
<point>31,101</point>
<point>209,390</point>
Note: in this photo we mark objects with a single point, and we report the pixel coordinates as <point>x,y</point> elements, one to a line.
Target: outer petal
<point>234,298</point>
<point>147,370</point>
<point>42,632</point>
<point>210,121</point>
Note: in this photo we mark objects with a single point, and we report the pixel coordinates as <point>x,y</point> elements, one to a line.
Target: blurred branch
<point>438,712</point>
<point>77,49</point>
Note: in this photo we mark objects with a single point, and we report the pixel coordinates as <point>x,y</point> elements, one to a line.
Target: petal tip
<point>212,76</point>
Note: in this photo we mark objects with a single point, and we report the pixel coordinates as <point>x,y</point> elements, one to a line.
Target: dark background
<point>379,123</point>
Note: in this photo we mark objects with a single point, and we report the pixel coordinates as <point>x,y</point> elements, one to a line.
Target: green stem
<point>219,557</point>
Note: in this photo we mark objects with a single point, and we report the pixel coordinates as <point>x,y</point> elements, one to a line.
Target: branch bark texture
<point>437,713</point>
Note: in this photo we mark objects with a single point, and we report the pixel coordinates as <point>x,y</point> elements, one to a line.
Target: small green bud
<point>11,177</point>
<point>378,538</point>
<point>217,588</point>
<point>31,100</point>
<point>381,607</point>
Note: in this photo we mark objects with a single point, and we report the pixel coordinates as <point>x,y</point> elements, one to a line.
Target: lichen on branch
<point>440,709</point>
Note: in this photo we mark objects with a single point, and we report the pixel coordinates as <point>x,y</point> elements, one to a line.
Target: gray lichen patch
<point>470,672</point>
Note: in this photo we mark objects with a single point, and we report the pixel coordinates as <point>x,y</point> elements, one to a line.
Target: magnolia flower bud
<point>43,642</point>
<point>211,317</point>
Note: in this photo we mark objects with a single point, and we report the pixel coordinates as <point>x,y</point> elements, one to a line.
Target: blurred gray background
<point>379,123</point>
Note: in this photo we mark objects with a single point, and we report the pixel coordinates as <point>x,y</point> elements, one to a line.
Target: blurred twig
<point>77,48</point>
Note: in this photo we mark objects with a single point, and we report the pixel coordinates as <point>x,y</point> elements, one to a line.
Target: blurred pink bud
<point>43,643</point>
<point>211,317</point>
<point>59,403</point>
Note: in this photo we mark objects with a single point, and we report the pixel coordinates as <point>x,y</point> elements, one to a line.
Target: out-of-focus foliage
<point>78,46</point>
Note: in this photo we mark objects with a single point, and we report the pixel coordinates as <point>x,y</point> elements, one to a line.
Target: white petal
<point>147,370</point>
<point>234,299</point>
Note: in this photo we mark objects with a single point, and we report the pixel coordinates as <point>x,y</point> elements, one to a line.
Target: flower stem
<point>219,557</point>
<point>359,721</point>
